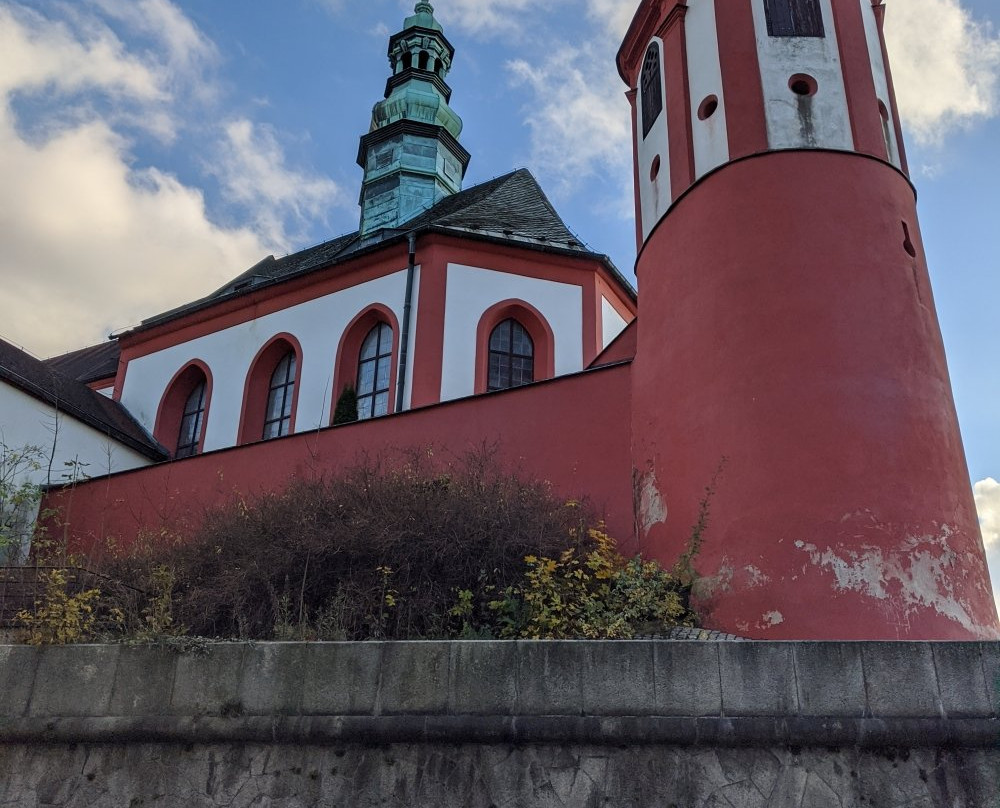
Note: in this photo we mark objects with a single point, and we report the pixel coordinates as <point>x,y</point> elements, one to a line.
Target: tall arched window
<point>183,412</point>
<point>512,356</point>
<point>375,372</point>
<point>271,392</point>
<point>192,422</point>
<point>651,87</point>
<point>280,395</point>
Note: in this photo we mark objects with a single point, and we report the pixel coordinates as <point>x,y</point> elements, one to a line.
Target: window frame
<point>349,353</point>
<point>173,405</point>
<point>651,86</point>
<point>533,321</point>
<point>369,400</point>
<point>510,355</point>
<point>257,387</point>
<point>285,387</point>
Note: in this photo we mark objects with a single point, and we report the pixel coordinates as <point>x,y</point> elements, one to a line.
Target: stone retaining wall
<point>642,723</point>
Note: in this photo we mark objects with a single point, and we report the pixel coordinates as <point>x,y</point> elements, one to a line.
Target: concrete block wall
<point>503,723</point>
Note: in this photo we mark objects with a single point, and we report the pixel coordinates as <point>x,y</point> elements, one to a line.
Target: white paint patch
<point>794,121</point>
<point>711,136</point>
<point>771,619</point>
<point>612,323</point>
<point>473,290</point>
<point>652,508</point>
<point>923,573</point>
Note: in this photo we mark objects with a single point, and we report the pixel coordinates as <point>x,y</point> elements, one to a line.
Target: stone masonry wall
<point>503,724</point>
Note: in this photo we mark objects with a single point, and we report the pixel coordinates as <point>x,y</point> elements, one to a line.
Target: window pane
<point>366,378</point>
<point>381,404</point>
<point>365,407</point>
<point>521,371</point>
<point>522,342</point>
<point>385,338</point>
<point>275,404</point>
<point>286,411</point>
<point>494,380</point>
<point>272,430</point>
<point>369,348</point>
<point>382,377</point>
<point>500,338</point>
<point>280,374</point>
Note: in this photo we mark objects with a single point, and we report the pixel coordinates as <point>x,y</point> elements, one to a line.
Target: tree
<point>346,410</point>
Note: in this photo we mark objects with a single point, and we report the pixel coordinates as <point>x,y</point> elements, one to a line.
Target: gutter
<point>404,337</point>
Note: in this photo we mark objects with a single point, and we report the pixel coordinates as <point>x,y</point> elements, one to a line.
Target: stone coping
<point>655,691</point>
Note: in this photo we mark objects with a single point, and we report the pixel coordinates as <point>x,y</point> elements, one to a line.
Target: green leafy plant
<point>60,617</point>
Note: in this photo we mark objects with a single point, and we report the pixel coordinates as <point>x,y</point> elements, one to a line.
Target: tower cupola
<point>411,155</point>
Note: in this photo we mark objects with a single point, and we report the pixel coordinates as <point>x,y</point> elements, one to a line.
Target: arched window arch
<point>512,356</point>
<point>651,87</point>
<point>271,392</point>
<point>183,411</point>
<point>514,345</point>
<point>367,360</point>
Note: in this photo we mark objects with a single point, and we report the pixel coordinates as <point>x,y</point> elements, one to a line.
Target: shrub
<point>60,617</point>
<point>346,410</point>
<point>378,551</point>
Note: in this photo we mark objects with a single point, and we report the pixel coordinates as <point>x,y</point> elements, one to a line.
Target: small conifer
<point>347,407</point>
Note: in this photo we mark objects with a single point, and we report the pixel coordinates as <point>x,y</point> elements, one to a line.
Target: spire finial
<point>423,6</point>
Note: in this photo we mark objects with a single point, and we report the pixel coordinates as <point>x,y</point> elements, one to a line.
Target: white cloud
<point>987,493</point>
<point>253,174</point>
<point>93,239</point>
<point>945,65</point>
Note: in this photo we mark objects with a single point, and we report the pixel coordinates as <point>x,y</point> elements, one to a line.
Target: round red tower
<point>787,330</point>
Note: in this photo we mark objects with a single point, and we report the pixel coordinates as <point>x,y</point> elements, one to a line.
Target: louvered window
<point>794,18</point>
<point>652,88</point>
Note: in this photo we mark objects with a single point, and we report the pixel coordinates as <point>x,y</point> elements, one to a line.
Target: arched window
<point>794,18</point>
<point>512,356</point>
<point>183,411</point>
<point>375,372</point>
<point>271,392</point>
<point>423,59</point>
<point>280,395</point>
<point>192,423</point>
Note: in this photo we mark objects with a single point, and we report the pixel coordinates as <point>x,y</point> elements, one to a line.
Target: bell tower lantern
<point>411,156</point>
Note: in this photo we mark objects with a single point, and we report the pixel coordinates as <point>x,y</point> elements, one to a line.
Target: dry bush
<point>379,550</point>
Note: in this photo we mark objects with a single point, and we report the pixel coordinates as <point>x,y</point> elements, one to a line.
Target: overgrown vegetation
<point>19,498</point>
<point>411,549</point>
<point>346,410</point>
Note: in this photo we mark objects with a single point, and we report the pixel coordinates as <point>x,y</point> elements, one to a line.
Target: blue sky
<point>152,149</point>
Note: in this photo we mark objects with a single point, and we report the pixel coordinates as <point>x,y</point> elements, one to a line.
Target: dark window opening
<point>192,422</point>
<point>407,60</point>
<point>278,415</point>
<point>374,371</point>
<point>794,18</point>
<point>512,356</point>
<point>423,59</point>
<point>652,88</point>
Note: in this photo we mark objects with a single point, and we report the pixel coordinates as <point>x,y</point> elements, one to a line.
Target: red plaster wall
<point>784,326</point>
<point>573,431</point>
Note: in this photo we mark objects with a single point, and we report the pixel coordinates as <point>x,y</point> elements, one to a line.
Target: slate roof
<point>74,398</point>
<point>88,364</point>
<point>509,209</point>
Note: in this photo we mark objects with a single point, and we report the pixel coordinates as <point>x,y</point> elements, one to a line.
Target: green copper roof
<point>423,17</point>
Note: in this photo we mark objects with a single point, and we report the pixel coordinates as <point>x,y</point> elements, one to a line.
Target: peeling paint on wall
<point>923,572</point>
<point>652,508</point>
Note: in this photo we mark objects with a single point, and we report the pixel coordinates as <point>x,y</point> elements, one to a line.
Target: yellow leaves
<point>60,618</point>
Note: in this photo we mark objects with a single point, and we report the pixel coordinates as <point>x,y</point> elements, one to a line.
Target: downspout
<point>404,337</point>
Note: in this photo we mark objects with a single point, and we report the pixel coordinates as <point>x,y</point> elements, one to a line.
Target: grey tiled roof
<point>88,364</point>
<point>41,381</point>
<point>511,208</point>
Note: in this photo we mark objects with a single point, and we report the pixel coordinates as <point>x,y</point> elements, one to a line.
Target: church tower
<point>787,332</point>
<point>411,156</point>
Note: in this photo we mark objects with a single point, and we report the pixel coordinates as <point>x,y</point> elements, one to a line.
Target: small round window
<point>708,108</point>
<point>803,85</point>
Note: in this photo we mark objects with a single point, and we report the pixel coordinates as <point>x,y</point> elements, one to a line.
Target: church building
<point>783,351</point>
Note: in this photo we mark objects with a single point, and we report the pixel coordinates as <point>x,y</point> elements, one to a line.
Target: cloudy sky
<point>152,149</point>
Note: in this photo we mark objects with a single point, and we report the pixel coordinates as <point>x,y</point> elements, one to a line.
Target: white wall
<point>26,421</point>
<point>612,322</point>
<point>711,136</point>
<point>820,121</point>
<point>471,291</point>
<point>881,79</point>
<point>317,324</point>
<point>654,194</point>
